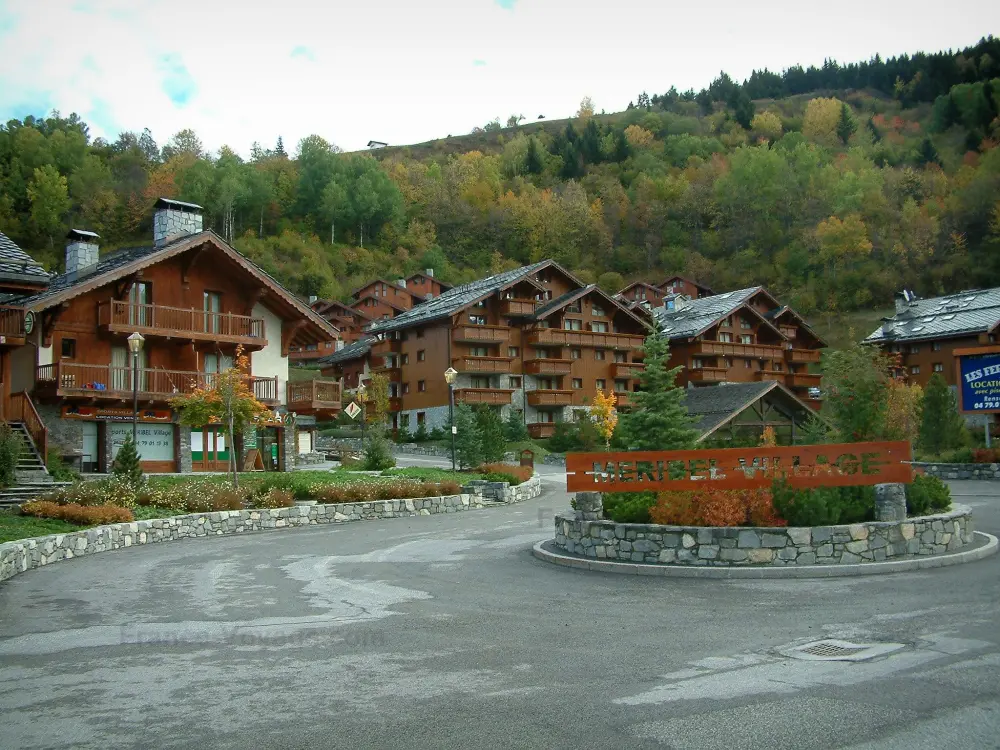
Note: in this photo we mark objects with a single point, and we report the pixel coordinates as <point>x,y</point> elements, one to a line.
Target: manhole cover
<point>834,650</point>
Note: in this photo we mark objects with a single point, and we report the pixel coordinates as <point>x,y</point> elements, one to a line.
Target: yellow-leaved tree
<point>820,120</point>
<point>225,398</point>
<point>603,415</point>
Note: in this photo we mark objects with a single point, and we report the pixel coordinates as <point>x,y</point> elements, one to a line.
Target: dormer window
<point>597,311</point>
<point>477,320</point>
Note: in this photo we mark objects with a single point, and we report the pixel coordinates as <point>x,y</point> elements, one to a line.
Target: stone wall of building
<point>27,554</point>
<point>873,541</point>
<point>959,471</point>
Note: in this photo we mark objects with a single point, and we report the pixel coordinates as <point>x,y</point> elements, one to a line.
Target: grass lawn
<point>432,475</point>
<point>14,526</point>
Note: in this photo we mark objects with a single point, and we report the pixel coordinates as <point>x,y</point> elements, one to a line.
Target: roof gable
<point>16,265</point>
<point>961,314</point>
<point>714,406</point>
<point>570,297</point>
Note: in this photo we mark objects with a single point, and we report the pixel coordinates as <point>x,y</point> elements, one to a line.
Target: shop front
<point>103,430</point>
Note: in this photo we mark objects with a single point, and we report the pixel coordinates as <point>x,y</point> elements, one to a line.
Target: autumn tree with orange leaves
<point>603,415</point>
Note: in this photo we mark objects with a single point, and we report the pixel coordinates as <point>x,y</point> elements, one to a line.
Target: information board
<point>979,382</point>
<point>155,442</point>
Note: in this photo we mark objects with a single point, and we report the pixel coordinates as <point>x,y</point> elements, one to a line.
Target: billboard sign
<point>979,382</point>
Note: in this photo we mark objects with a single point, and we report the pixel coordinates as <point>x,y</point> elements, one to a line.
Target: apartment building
<point>194,299</point>
<point>534,339</point>
<point>741,336</point>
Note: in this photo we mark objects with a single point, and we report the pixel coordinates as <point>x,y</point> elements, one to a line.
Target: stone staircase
<point>33,478</point>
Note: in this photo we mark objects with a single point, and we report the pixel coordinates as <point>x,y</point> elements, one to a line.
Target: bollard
<point>890,502</point>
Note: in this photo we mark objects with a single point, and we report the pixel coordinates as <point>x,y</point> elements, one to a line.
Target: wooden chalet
<point>685,286</point>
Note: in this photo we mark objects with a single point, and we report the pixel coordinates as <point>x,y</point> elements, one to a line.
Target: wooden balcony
<point>548,366</point>
<point>541,430</point>
<point>116,316</point>
<point>482,365</point>
<point>547,398</point>
<point>481,334</point>
<point>386,346</point>
<point>393,374</point>
<point>727,349</point>
<point>813,403</point>
<point>517,307</point>
<point>11,326</point>
<point>623,399</point>
<point>706,374</point>
<point>560,337</point>
<point>802,356</point>
<point>627,369</point>
<point>313,397</point>
<point>802,380</point>
<point>107,383</point>
<point>490,396</point>
<point>778,375</point>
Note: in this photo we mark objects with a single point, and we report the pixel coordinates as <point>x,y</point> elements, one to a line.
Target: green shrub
<point>127,464</point>
<point>10,452</point>
<point>377,453</point>
<point>421,436</point>
<point>438,433</point>
<point>926,495</point>
<point>492,440</point>
<point>58,469</point>
<point>629,507</point>
<point>823,506</point>
<point>514,428</point>
<point>403,435</point>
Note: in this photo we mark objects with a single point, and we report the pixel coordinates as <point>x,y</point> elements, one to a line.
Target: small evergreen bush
<point>927,495</point>
<point>378,452</point>
<point>10,452</point>
<point>127,464</point>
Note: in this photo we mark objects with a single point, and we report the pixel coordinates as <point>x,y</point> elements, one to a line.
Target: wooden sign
<point>253,462</point>
<point>838,465</point>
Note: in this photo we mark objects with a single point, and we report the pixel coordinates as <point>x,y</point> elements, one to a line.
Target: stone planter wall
<point>873,541</point>
<point>959,471</point>
<point>26,554</point>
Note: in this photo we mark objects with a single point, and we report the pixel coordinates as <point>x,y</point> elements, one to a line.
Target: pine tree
<point>468,439</point>
<point>533,163</point>
<point>927,153</point>
<point>127,464</point>
<point>514,428</point>
<point>659,420</point>
<point>846,125</point>
<point>941,426</point>
<point>491,432</point>
<point>279,148</point>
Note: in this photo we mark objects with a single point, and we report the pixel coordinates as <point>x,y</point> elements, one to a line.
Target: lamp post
<point>449,377</point>
<point>361,396</point>
<point>135,342</point>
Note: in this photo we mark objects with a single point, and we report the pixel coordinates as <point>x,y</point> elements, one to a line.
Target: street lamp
<point>135,342</point>
<point>449,377</point>
<point>361,395</point>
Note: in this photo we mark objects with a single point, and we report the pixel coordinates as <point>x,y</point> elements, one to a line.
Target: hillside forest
<point>833,186</point>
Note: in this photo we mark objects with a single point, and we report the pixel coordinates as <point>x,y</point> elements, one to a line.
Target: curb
<point>991,547</point>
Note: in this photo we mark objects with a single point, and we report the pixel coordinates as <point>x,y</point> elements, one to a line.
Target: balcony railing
<point>312,396</point>
<point>491,396</point>
<point>391,373</point>
<point>706,374</point>
<point>553,398</point>
<point>481,334</point>
<point>548,366</point>
<point>11,323</point>
<point>385,346</point>
<point>803,380</point>
<point>562,337</point>
<point>66,379</point>
<point>728,349</point>
<point>778,375</point>
<point>541,429</point>
<point>118,316</point>
<point>487,365</point>
<point>802,356</point>
<point>623,399</point>
<point>517,306</point>
<point>627,369</point>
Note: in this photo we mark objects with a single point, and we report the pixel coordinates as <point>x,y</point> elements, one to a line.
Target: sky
<point>405,71</point>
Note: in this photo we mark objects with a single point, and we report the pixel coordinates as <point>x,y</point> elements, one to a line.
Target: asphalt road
<point>444,632</point>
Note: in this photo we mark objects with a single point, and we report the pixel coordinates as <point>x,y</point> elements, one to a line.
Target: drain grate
<point>831,649</point>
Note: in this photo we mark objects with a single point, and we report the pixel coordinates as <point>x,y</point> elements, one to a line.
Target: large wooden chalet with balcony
<point>195,300</point>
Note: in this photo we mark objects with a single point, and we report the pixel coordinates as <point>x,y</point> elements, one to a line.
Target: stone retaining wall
<point>26,554</point>
<point>728,546</point>
<point>409,449</point>
<point>555,459</point>
<point>959,471</point>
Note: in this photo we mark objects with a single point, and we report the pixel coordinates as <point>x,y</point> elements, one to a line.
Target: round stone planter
<point>872,541</point>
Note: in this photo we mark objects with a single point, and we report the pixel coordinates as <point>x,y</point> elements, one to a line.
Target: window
<point>513,351</point>
<point>480,382</point>
<point>422,385</point>
<point>541,353</point>
<point>479,351</point>
<point>420,335</point>
<point>621,386</point>
<point>421,417</point>
<point>597,311</point>
<point>915,370</point>
<point>727,322</point>
<point>640,293</point>
<point>620,357</point>
<point>914,348</point>
<point>477,320</point>
<point>600,383</point>
<point>726,337</point>
<point>745,325</point>
<point>406,388</point>
<point>212,302</point>
<point>938,367</point>
<point>936,346</point>
<point>727,362</point>
<point>404,421</point>
<point>748,364</point>
<point>481,303</point>
<point>514,382</point>
<point>597,327</point>
<point>68,348</point>
<point>574,308</point>
<point>421,355</point>
<point>696,364</point>
<point>405,359</point>
<point>575,353</point>
<point>599,355</point>
<point>573,324</point>
<point>577,383</point>
<point>745,339</point>
<point>546,384</point>
<point>776,366</point>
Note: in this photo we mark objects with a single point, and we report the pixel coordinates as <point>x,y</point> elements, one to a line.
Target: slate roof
<point>959,314</point>
<point>563,299</point>
<point>17,265</point>
<point>714,405</point>
<point>455,299</point>
<point>700,314</point>
<point>352,351</point>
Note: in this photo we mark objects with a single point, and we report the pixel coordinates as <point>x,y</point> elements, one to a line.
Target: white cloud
<point>403,72</point>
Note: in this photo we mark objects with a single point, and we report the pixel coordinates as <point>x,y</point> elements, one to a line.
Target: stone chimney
<point>313,299</point>
<point>81,251</point>
<point>401,282</point>
<point>903,300</point>
<point>429,272</point>
<point>175,219</point>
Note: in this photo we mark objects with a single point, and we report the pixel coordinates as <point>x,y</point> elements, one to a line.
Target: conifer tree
<point>468,438</point>
<point>491,434</point>
<point>127,464</point>
<point>659,420</point>
<point>941,426</point>
<point>846,125</point>
<point>514,429</point>
<point>533,162</point>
